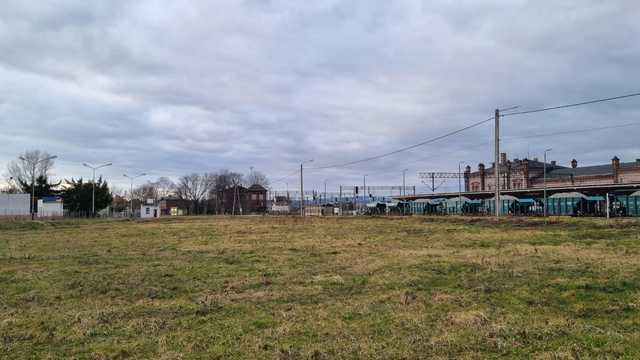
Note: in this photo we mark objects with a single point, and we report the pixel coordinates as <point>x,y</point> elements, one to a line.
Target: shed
<point>50,206</point>
<point>149,211</point>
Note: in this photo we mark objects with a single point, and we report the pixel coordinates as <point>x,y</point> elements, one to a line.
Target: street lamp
<point>460,184</point>
<point>33,180</point>
<point>325,190</point>
<point>364,189</point>
<point>131,190</point>
<point>93,192</point>
<point>302,186</point>
<point>544,176</point>
<point>404,189</point>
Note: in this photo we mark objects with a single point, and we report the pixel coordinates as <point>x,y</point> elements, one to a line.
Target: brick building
<point>520,174</point>
<point>242,200</point>
<point>171,206</point>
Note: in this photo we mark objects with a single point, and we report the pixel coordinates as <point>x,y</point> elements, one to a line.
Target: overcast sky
<point>177,87</point>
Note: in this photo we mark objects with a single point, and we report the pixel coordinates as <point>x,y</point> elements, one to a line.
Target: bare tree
<point>22,169</point>
<point>145,191</point>
<point>195,188</point>
<point>165,187</point>
<point>225,180</point>
<point>257,177</point>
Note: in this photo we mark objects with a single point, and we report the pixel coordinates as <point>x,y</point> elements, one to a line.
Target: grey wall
<point>14,204</point>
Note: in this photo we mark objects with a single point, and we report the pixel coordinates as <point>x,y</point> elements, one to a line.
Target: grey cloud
<point>195,86</point>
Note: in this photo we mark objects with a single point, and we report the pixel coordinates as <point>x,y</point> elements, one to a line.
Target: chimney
<point>574,163</point>
<point>482,176</point>
<point>503,158</point>
<point>615,164</point>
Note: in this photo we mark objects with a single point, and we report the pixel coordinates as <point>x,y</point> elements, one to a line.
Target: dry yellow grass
<point>291,288</point>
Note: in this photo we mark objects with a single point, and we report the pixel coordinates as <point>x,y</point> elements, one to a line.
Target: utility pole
<point>404,190</point>
<point>131,190</point>
<point>497,163</point>
<point>93,192</point>
<point>544,175</point>
<point>325,190</point>
<point>302,187</point>
<point>433,183</point>
<point>460,185</point>
<point>364,190</point>
<point>33,181</point>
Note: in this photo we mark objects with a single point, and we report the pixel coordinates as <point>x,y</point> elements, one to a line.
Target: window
<point>254,196</point>
<point>147,210</point>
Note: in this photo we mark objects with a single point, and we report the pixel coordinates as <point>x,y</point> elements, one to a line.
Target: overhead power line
<point>568,132</point>
<point>513,138</point>
<point>572,105</point>
<point>451,133</point>
<point>454,132</point>
<point>285,177</point>
<point>431,140</point>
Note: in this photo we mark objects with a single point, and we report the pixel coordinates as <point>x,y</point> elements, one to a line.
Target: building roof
<point>257,187</point>
<point>518,164</point>
<point>592,170</point>
<point>582,171</point>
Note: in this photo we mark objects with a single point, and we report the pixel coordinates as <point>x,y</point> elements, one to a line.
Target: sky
<point>171,88</point>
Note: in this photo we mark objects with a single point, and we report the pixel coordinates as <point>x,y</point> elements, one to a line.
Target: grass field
<point>291,288</point>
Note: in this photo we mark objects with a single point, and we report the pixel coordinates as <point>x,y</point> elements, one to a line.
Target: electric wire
<point>431,140</point>
<point>571,105</point>
<point>428,141</point>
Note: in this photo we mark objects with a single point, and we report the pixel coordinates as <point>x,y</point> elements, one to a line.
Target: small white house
<point>149,210</point>
<point>50,206</point>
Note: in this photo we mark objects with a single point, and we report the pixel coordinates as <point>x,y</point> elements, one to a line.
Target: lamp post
<point>364,189</point>
<point>325,190</point>
<point>404,190</point>
<point>460,184</point>
<point>33,180</point>
<point>131,190</point>
<point>302,186</point>
<point>544,176</point>
<point>93,192</point>
<point>404,174</point>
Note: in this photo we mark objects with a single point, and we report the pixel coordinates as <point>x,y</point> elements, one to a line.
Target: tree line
<point>33,170</point>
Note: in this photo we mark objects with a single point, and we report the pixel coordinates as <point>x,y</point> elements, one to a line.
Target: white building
<point>149,210</point>
<point>50,206</point>
<point>15,204</point>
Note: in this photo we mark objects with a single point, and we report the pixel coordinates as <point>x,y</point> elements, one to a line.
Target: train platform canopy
<point>506,198</point>
<point>572,195</point>
<point>431,201</point>
<point>389,204</point>
<point>596,198</point>
<point>455,200</point>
